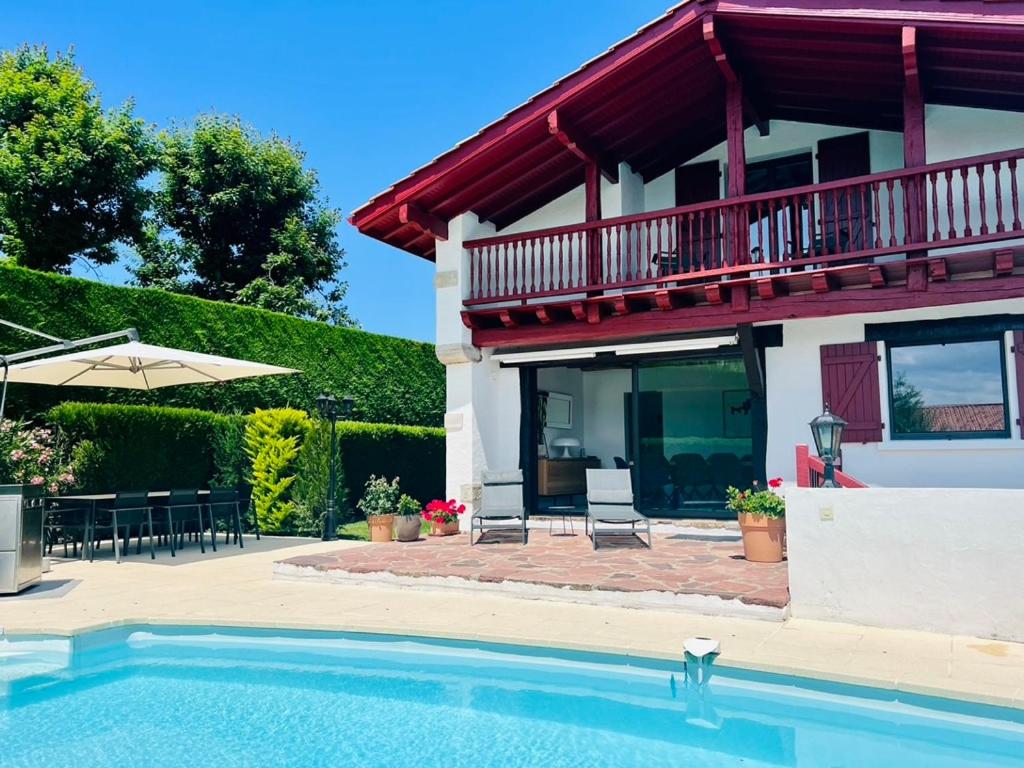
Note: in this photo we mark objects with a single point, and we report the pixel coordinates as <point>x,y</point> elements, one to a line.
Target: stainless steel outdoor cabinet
<point>21,537</point>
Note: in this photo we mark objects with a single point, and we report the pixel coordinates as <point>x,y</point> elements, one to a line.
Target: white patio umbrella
<point>134,365</point>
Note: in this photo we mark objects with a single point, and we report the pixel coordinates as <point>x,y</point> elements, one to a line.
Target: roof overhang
<point>656,99</point>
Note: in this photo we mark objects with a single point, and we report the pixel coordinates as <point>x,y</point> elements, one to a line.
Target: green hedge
<point>133,447</point>
<point>414,454</point>
<point>393,380</point>
<point>124,447</point>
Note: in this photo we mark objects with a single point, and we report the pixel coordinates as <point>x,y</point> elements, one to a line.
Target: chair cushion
<point>502,477</point>
<point>610,496</point>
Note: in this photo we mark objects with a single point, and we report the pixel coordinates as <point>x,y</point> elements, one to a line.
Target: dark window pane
<point>948,388</point>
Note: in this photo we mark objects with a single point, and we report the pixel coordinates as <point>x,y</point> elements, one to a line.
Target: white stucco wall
<point>793,375</point>
<point>924,559</point>
<point>482,399</point>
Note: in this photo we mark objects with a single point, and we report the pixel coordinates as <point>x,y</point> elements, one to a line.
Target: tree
<point>70,174</point>
<point>238,218</point>
<point>908,414</point>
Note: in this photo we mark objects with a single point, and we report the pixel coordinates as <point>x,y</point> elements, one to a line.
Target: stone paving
<point>678,563</point>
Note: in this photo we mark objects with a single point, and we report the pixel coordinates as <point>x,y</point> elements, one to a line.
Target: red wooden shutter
<point>1018,356</point>
<point>849,384</point>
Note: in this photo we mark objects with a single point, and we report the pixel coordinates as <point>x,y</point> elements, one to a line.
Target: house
<point>675,256</point>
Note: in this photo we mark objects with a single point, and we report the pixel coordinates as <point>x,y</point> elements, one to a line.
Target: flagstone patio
<point>694,563</point>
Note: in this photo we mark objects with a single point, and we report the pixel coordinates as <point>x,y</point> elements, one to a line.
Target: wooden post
<point>592,188</point>
<point>803,469</point>
<point>736,233</point>
<point>913,142</point>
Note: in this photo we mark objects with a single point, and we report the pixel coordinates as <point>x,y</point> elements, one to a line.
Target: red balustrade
<point>960,202</point>
<point>810,472</point>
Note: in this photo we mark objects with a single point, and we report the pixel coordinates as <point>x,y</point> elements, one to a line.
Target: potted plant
<point>762,518</point>
<point>407,518</point>
<point>443,516</point>
<point>379,502</point>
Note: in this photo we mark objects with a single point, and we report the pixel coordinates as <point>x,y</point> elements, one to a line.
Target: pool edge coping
<point>1014,700</point>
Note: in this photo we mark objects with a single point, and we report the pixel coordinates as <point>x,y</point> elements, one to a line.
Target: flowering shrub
<point>380,496</point>
<point>33,456</point>
<point>439,511</point>
<point>758,502</point>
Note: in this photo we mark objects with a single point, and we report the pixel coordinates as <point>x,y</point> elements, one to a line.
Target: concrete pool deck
<point>237,588</point>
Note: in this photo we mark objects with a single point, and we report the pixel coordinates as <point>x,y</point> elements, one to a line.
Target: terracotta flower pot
<point>763,537</point>
<point>407,527</point>
<point>380,527</point>
<point>444,529</point>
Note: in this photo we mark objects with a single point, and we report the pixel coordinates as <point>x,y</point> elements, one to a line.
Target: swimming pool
<point>204,696</point>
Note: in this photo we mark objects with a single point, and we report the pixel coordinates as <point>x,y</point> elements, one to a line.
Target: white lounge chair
<point>501,504</point>
<point>610,503</point>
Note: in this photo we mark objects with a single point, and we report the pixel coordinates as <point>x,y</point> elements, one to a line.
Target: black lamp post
<point>827,430</point>
<point>328,407</point>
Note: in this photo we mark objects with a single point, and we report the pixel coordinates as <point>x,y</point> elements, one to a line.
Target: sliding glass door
<point>692,436</point>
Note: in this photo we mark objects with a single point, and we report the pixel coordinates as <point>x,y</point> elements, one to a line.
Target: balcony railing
<point>908,211</point>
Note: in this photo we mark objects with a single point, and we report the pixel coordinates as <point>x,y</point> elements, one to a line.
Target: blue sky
<point>369,90</point>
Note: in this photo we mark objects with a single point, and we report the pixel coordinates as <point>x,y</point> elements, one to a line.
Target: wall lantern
<point>827,430</point>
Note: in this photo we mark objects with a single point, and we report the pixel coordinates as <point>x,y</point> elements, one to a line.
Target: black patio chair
<point>245,506</point>
<point>184,514</point>
<point>726,470</point>
<point>224,504</point>
<point>128,508</point>
<point>66,520</point>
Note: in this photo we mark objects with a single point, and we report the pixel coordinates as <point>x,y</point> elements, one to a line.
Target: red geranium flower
<point>775,482</point>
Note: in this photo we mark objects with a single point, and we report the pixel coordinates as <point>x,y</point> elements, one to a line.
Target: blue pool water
<point>195,697</point>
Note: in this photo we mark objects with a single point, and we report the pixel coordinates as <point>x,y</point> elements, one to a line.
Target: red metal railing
<point>810,472</point>
<point>960,202</point>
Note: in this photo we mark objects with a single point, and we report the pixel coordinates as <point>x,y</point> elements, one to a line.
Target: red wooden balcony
<point>792,239</point>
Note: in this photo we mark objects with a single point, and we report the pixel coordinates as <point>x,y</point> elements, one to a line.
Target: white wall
<point>785,138</point>
<point>793,376</point>
<point>567,381</point>
<point>940,561</point>
<point>604,432</point>
<point>482,399</point>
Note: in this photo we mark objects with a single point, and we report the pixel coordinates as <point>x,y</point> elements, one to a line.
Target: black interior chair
<point>620,463</point>
<point>184,514</point>
<point>725,470</point>
<point>691,476</point>
<point>224,504</point>
<point>128,508</point>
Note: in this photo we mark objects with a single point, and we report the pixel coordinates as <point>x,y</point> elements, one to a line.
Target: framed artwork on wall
<point>736,420</point>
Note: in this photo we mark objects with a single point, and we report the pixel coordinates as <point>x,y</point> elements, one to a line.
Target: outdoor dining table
<point>93,501</point>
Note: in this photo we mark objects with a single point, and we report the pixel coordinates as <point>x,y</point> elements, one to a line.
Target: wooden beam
<point>507,319</point>
<point>751,359</point>
<point>713,293</point>
<point>572,138</point>
<point>876,276</point>
<point>736,150</point>
<point>821,282</point>
<point>917,277</point>
<point>739,298</point>
<point>1003,263</point>
<point>766,288</point>
<point>593,312</point>
<point>664,299</point>
<point>544,315</point>
<point>913,139</point>
<point>578,310</point>
<point>729,73</point>
<point>425,222</point>
<point>938,270</point>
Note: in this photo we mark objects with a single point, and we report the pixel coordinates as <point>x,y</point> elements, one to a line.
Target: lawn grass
<point>360,530</point>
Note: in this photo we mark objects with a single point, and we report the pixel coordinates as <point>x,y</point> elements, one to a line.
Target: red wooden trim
<point>762,197</point>
<point>425,222</point>
<point>572,138</point>
<point>938,270</point>
<point>816,466</point>
<point>917,277</point>
<point>739,298</point>
<point>644,324</point>
<point>876,276</point>
<point>736,150</point>
<point>803,470</point>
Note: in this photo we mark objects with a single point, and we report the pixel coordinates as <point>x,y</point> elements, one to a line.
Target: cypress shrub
<point>393,380</point>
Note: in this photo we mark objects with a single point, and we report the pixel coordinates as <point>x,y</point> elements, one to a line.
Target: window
<point>948,390</point>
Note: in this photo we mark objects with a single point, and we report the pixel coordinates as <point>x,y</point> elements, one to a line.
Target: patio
<point>687,561</point>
